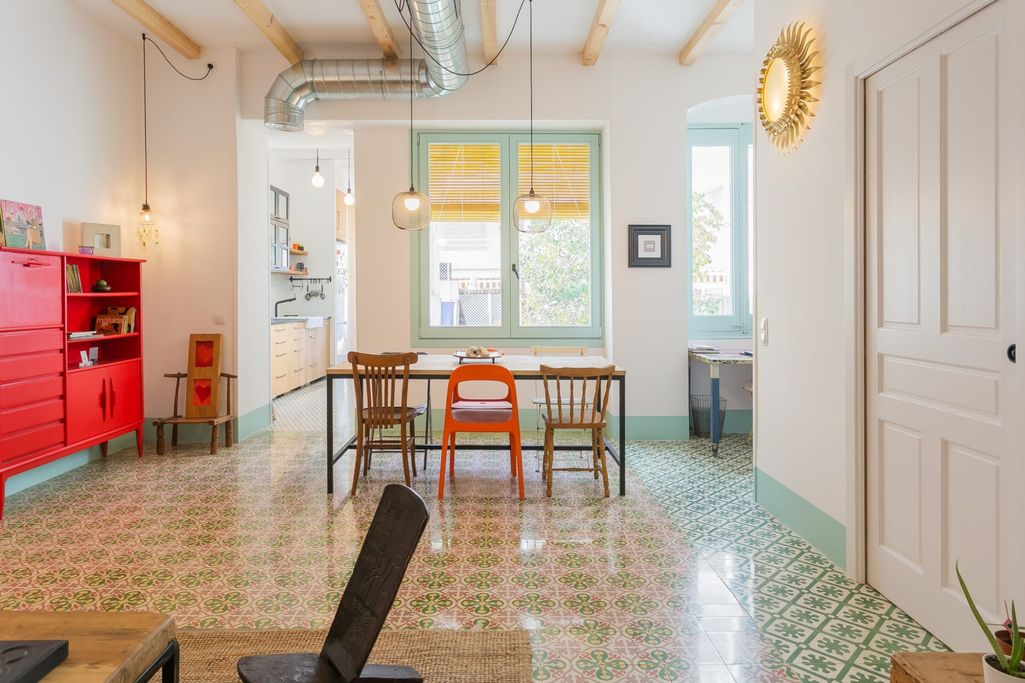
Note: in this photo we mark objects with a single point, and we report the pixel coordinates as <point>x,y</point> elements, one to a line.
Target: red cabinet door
<point>124,395</point>
<point>88,403</point>
<point>34,295</point>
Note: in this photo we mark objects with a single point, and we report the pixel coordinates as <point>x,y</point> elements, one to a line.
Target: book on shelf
<point>74,279</point>
<point>83,335</point>
<point>129,315</point>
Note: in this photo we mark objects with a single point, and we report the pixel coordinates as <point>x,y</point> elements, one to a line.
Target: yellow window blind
<point>562,173</point>
<point>465,182</point>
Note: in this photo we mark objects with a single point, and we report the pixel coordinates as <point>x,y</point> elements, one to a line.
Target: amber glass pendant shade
<point>411,210</point>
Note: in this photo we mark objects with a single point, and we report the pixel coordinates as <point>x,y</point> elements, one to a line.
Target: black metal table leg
<point>622,436</point>
<point>167,663</point>
<point>330,434</point>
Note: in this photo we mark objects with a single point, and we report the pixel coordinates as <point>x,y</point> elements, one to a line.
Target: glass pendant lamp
<point>411,210</point>
<point>532,212</point>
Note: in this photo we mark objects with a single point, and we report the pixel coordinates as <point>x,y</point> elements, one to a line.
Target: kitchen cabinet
<point>299,355</point>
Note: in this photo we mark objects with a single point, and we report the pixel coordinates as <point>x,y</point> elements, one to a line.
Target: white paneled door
<point>945,479</point>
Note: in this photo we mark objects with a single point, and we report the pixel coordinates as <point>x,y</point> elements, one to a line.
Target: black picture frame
<point>663,259</point>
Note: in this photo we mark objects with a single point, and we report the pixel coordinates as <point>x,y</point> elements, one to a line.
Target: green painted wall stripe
<point>739,422</point>
<point>818,528</point>
<point>652,427</point>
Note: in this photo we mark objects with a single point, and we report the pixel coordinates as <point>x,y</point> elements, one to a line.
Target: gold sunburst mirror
<point>785,86</point>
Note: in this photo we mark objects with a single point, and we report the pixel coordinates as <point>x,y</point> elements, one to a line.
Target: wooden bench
<point>179,419</point>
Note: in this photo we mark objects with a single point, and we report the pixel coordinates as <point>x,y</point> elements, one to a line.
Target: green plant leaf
<point>1001,657</point>
<point>1017,642</point>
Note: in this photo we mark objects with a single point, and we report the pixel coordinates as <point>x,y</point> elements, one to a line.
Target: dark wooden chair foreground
<point>387,549</point>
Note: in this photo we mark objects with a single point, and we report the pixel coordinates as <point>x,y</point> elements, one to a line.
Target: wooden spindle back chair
<point>576,398</point>
<point>381,383</point>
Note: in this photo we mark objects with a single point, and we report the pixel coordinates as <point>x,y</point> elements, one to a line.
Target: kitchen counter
<point>310,320</point>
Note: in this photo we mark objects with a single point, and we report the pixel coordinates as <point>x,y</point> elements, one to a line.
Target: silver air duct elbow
<point>439,26</point>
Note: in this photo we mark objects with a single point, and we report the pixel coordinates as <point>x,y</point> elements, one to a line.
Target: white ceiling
<point>338,27</point>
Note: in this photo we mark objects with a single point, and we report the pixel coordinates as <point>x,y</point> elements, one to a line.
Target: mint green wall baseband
<point>738,421</point>
<point>818,528</point>
<point>20,482</point>
<point>639,428</point>
<point>253,422</point>
<point>652,427</point>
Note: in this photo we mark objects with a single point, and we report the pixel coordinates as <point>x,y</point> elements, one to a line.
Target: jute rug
<point>210,656</point>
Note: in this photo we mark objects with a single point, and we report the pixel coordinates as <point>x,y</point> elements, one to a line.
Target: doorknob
<point>1012,353</point>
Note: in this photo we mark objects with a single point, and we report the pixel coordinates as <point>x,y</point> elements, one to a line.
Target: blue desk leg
<point>713,371</point>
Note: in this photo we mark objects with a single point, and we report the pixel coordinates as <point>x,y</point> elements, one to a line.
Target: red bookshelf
<point>50,405</point>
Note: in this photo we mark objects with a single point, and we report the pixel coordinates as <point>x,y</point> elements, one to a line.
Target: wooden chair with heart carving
<point>202,394</point>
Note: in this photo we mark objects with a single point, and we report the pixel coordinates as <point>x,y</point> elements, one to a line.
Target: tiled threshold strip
<point>824,626</point>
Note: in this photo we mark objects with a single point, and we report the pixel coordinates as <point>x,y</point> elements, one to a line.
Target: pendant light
<point>532,212</point>
<point>349,197</point>
<point>148,229</point>
<point>317,180</point>
<point>411,210</point>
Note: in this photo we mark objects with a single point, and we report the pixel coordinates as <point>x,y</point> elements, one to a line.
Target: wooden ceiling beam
<point>379,25</point>
<point>599,30</point>
<point>269,26</point>
<point>489,29</point>
<point>720,15</point>
<point>161,27</point>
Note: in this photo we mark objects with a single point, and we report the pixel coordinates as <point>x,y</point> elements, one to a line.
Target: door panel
<point>943,450</point>
<point>88,403</point>
<point>37,279</point>
<point>125,400</point>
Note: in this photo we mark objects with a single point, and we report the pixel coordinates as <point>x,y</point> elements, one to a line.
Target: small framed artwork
<point>21,225</point>
<point>202,385</point>
<point>104,239</point>
<point>649,246</point>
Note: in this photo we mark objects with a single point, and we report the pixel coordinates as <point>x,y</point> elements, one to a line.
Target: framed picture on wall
<point>21,225</point>
<point>649,246</point>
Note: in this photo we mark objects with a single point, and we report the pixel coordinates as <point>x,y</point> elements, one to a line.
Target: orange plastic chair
<point>480,415</point>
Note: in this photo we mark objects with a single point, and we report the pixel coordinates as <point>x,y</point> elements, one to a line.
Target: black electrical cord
<point>209,67</point>
<point>145,107</point>
<point>402,5</point>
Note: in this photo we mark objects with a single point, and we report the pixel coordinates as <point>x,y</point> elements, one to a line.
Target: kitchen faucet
<point>278,303</point>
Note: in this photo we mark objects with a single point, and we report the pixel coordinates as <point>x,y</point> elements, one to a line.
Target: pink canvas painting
<point>22,225</point>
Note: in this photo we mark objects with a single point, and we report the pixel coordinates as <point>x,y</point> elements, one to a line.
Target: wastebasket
<point>701,414</point>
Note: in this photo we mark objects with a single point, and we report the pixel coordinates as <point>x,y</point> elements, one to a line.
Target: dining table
<point>523,367</point>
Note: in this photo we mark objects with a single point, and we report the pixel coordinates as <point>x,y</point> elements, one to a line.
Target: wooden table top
<point>936,667</point>
<point>107,647</point>
<point>522,367</point>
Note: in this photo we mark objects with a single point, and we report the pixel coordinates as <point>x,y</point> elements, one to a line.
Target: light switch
<point>218,318</point>
<point>763,331</point>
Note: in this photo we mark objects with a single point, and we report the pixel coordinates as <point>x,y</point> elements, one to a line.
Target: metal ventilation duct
<point>439,26</point>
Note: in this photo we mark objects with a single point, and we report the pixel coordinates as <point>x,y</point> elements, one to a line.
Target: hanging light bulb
<point>317,179</point>
<point>147,231</point>
<point>532,212</point>
<point>349,198</point>
<point>411,210</point>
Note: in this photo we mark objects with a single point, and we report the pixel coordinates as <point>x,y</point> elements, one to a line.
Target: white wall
<point>640,104</point>
<point>190,280</point>
<point>71,119</point>
<point>800,234</point>
<point>254,265</point>
<point>312,224</point>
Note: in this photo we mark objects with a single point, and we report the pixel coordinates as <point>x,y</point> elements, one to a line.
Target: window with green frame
<point>476,278</point>
<point>719,184</point>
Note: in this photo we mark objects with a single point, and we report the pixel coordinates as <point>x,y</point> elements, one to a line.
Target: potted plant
<point>998,667</point>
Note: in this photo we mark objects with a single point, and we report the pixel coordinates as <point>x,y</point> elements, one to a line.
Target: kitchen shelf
<point>76,295</point>
<point>102,338</point>
<point>301,273</point>
<point>296,252</point>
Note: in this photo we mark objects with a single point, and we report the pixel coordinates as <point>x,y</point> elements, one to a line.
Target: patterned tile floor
<point>684,579</point>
